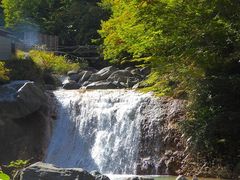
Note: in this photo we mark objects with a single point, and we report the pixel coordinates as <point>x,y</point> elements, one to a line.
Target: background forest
<point>192,47</point>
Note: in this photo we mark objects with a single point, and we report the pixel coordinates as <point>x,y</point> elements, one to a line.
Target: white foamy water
<point>97,130</point>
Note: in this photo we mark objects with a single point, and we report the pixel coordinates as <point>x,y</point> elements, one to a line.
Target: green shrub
<point>15,166</point>
<point>4,176</point>
<point>49,62</point>
<point>3,72</point>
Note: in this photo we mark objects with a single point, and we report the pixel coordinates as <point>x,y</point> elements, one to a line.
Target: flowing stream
<point>97,130</point>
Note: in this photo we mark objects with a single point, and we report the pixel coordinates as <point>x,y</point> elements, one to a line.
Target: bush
<point>3,72</point>
<point>14,166</point>
<point>49,62</point>
<point>4,176</point>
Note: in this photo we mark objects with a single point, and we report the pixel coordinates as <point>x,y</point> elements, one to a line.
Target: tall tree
<point>76,22</point>
<point>192,46</point>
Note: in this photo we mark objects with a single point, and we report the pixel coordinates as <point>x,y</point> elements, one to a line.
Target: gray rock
<point>120,75</point>
<point>86,83</point>
<point>181,177</point>
<point>102,74</point>
<point>125,77</point>
<point>120,85</point>
<point>129,68</point>
<point>84,76</point>
<point>98,176</point>
<point>131,81</point>
<point>136,86</point>
<point>145,71</point>
<point>95,173</point>
<point>136,71</point>
<point>74,77</point>
<point>72,72</point>
<point>19,99</point>
<point>42,171</point>
<point>101,85</point>
<point>71,85</point>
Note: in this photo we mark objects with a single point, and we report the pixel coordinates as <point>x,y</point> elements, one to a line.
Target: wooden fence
<point>33,39</point>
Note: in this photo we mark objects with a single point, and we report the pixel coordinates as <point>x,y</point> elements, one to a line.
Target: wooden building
<point>8,43</point>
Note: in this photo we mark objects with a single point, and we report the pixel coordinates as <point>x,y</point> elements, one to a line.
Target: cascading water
<point>97,130</point>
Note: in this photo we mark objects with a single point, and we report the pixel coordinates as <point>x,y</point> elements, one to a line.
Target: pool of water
<point>126,177</point>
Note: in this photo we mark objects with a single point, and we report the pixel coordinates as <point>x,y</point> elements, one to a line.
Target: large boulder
<point>84,76</point>
<point>43,171</point>
<point>70,73</point>
<point>101,85</point>
<point>19,99</point>
<point>26,116</point>
<point>98,176</point>
<point>120,75</point>
<point>71,85</point>
<point>103,74</point>
<point>74,77</point>
<point>125,77</point>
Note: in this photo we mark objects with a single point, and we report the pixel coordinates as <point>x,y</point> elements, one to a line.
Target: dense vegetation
<point>38,66</point>
<point>74,21</point>
<point>193,49</point>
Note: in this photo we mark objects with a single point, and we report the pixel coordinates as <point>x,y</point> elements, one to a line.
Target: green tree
<point>182,40</point>
<point>76,22</point>
<point>192,46</point>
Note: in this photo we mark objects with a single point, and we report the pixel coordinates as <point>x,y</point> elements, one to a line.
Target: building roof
<point>7,34</point>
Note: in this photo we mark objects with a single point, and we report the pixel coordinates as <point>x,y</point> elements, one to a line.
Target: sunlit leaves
<point>3,72</point>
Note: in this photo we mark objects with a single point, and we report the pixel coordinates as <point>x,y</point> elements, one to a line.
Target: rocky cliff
<point>161,148</point>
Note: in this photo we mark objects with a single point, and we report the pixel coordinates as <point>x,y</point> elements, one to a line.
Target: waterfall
<point>97,130</point>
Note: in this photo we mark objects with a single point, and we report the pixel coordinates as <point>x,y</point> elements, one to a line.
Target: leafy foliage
<point>49,62</point>
<point>14,166</point>
<point>192,46</point>
<point>4,176</point>
<point>38,67</point>
<point>181,40</point>
<point>75,22</point>
<point>3,72</point>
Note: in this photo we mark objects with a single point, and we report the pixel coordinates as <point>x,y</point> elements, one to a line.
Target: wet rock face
<point>45,171</point>
<point>161,148</point>
<point>25,121</point>
<point>19,99</point>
